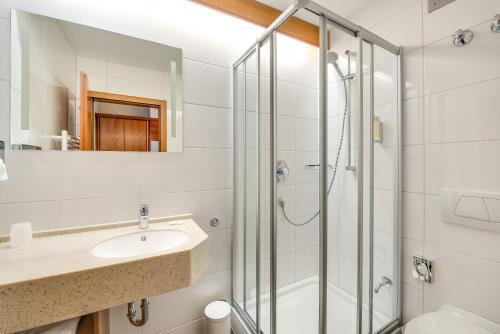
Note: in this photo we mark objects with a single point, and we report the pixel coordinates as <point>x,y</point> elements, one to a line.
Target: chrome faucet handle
<point>384,281</point>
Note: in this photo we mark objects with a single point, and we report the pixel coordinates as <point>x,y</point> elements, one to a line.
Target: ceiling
<point>345,8</point>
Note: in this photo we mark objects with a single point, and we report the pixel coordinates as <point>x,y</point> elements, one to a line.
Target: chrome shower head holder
<point>462,37</point>
<point>495,24</point>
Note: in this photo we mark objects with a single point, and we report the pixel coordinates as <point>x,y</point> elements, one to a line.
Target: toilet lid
<point>451,320</point>
<point>217,311</point>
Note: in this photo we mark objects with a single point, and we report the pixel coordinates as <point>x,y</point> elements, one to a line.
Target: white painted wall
<point>451,121</point>
<point>59,189</point>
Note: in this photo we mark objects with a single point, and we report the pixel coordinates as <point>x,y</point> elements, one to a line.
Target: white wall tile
<point>206,84</point>
<point>91,66</point>
<point>414,216</point>
<point>134,88</point>
<point>413,168</point>
<point>306,199</point>
<point>413,121</point>
<point>306,70</point>
<point>286,237</point>
<point>413,302</point>
<point>56,214</point>
<point>475,290</point>
<point>286,133</point>
<point>468,165</point>
<point>375,12</point>
<point>5,51</point>
<point>194,327</point>
<point>449,136</point>
<point>411,19</point>
<point>303,174</point>
<point>118,322</point>
<point>178,307</point>
<point>307,235</point>
<point>458,14</point>
<point>410,249</point>
<point>306,102</point>
<point>463,114</point>
<point>193,169</point>
<point>477,61</point>
<point>205,126</point>
<point>285,269</point>
<point>135,73</point>
<point>220,250</point>
<point>96,82</point>
<point>348,241</point>
<point>35,176</point>
<point>203,205</point>
<point>306,263</point>
<point>285,96</point>
<point>413,69</point>
<point>307,134</point>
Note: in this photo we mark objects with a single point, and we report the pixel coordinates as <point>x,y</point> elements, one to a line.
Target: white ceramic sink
<point>139,243</point>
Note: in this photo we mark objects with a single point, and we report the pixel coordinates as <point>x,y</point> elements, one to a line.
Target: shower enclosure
<point>317,181</point>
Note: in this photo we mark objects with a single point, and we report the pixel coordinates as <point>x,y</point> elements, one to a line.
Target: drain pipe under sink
<point>132,313</point>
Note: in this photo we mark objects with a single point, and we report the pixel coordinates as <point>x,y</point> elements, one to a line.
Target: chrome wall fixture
<point>214,222</point>
<point>279,171</point>
<point>282,171</point>
<point>495,24</point>
<point>423,269</point>
<point>462,37</point>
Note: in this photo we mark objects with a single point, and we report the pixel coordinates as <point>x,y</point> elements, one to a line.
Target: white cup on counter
<point>20,234</point>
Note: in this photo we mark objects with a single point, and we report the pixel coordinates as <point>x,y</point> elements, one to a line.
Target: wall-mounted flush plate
<point>432,5</point>
<point>423,269</point>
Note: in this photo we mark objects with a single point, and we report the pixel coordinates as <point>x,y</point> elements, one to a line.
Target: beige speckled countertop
<point>56,278</point>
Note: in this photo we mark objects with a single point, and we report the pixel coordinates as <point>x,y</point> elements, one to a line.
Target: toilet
<point>218,314</point>
<point>451,320</point>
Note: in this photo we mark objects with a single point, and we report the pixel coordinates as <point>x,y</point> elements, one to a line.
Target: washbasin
<point>139,243</point>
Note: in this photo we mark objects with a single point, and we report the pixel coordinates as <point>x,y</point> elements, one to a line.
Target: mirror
<point>75,87</point>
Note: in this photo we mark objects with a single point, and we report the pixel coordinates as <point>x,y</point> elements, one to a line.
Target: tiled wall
<point>297,101</point>
<point>342,201</point>
<point>451,139</point>
<point>59,189</point>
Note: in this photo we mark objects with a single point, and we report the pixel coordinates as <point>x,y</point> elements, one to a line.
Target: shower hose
<point>281,202</point>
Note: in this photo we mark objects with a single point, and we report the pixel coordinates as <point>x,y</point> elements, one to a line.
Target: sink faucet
<point>384,281</point>
<point>143,216</point>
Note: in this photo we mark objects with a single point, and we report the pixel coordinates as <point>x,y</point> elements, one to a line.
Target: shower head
<point>333,58</point>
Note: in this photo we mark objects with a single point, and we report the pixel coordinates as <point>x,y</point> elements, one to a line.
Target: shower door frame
<point>269,36</point>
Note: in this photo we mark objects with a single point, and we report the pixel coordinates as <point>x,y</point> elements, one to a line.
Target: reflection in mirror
<point>75,87</point>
